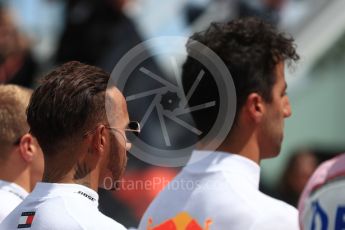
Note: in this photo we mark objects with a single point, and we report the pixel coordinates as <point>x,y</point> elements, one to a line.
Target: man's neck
<point>88,180</point>
<point>16,175</point>
<point>58,170</point>
<point>244,144</point>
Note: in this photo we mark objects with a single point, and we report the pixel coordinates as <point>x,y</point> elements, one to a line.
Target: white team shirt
<point>11,195</point>
<point>59,206</point>
<point>322,203</point>
<point>219,192</point>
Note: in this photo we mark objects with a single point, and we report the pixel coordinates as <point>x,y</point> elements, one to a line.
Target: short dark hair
<point>250,48</point>
<point>69,101</point>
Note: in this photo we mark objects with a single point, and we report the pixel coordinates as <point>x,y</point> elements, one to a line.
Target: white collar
<point>227,163</point>
<point>13,188</point>
<point>58,189</point>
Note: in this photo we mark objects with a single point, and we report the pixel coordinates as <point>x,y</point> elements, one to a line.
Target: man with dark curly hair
<point>220,191</point>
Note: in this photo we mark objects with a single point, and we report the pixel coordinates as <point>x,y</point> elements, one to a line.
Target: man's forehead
<point>116,103</point>
<point>115,97</point>
<point>280,71</point>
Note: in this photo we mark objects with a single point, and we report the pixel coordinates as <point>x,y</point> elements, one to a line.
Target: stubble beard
<point>117,161</point>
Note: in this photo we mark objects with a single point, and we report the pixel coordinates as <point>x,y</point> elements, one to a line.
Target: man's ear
<point>98,141</point>
<point>97,148</point>
<point>255,107</point>
<point>27,147</point>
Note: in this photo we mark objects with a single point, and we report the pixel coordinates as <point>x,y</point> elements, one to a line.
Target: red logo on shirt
<point>182,221</point>
<point>26,219</point>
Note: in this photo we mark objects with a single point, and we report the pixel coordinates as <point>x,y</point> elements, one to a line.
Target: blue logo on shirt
<point>318,212</point>
<point>320,219</point>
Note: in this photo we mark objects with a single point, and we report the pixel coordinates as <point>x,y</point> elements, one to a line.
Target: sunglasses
<point>132,127</point>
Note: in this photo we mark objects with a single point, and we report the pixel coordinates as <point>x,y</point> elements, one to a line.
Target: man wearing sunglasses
<point>81,124</point>
<point>21,158</point>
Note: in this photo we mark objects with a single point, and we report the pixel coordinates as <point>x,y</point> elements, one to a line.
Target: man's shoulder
<point>275,214</point>
<point>8,202</point>
<point>10,197</point>
<point>260,208</point>
<point>42,213</point>
<point>97,220</point>
<point>106,222</point>
<point>83,215</point>
<point>58,213</point>
<point>276,206</point>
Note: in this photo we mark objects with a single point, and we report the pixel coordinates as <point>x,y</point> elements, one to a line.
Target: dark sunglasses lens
<point>134,126</point>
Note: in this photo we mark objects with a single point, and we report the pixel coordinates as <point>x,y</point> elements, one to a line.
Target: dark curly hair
<point>250,49</point>
<point>69,101</point>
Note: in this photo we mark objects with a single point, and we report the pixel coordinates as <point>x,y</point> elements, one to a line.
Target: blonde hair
<point>14,101</point>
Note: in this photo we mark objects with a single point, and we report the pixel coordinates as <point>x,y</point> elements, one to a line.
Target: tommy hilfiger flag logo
<point>26,219</point>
